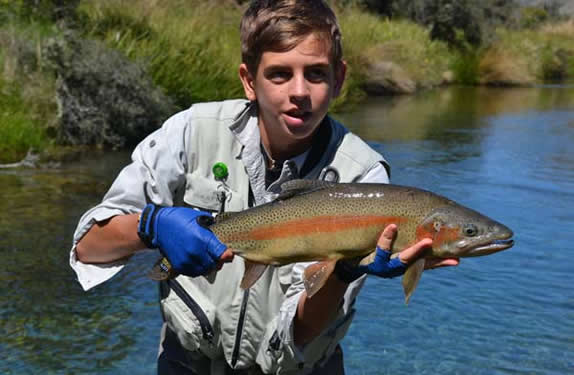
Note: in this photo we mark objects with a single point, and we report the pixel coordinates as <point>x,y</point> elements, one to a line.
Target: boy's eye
<point>278,76</point>
<point>317,75</point>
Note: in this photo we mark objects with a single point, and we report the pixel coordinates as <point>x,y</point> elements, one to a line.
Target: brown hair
<point>279,25</point>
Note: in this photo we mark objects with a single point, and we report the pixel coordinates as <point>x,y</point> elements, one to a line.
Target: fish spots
<point>318,224</point>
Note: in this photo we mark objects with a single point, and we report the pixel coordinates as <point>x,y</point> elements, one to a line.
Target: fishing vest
<point>211,315</point>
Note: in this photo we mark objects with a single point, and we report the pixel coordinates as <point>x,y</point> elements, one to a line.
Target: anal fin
<point>316,275</point>
<point>253,272</point>
<point>411,278</point>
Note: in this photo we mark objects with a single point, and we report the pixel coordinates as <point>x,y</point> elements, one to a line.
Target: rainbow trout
<point>322,221</point>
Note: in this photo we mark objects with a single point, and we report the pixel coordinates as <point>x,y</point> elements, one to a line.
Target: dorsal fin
<point>298,187</point>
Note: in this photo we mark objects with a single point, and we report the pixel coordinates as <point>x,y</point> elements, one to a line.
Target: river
<point>505,152</point>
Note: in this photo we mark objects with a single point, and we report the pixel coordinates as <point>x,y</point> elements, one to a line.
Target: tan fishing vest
<point>212,315</point>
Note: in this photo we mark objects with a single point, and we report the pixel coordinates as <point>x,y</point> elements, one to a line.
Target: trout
<point>327,222</point>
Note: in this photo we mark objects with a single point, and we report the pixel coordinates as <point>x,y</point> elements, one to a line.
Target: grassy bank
<point>367,38</point>
<point>191,50</point>
<point>544,54</point>
<point>28,109</point>
<point>192,63</point>
<point>547,52</point>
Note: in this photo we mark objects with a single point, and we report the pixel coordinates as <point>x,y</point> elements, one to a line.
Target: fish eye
<point>470,230</point>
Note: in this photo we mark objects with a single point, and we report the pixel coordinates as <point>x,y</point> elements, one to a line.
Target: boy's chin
<point>301,131</point>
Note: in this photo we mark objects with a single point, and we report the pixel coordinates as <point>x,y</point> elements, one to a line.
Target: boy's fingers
<point>227,256</point>
<point>387,237</point>
<point>431,263</point>
<point>410,254</point>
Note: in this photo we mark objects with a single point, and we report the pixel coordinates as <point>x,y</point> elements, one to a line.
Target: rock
<point>103,98</point>
<point>29,161</point>
<point>447,77</point>
<point>387,78</point>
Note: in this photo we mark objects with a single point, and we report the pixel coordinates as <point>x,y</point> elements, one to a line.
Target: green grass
<point>176,42</point>
<point>19,130</point>
<point>190,48</point>
<point>367,38</point>
<point>27,92</point>
<point>540,48</point>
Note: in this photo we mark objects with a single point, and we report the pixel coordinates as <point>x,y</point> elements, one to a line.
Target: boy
<point>291,69</point>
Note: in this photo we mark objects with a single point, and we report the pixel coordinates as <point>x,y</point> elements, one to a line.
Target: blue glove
<point>181,235</point>
<point>382,266</point>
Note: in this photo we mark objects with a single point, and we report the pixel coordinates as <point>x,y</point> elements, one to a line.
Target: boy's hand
<point>181,234</point>
<point>384,266</point>
<point>407,256</point>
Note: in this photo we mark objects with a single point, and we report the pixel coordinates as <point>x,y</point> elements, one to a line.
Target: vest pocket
<point>190,315</point>
<point>202,193</point>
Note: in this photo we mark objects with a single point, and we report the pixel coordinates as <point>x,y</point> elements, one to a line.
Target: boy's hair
<point>279,25</point>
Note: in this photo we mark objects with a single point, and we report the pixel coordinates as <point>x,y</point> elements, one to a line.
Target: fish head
<point>458,231</point>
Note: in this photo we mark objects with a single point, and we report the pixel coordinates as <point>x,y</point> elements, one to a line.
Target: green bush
<point>531,17</point>
<point>20,131</point>
<point>465,67</point>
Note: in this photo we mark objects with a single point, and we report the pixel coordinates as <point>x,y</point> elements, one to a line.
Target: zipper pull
<point>220,173</point>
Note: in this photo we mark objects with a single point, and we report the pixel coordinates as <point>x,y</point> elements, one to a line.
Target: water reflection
<point>448,116</point>
<point>508,313</point>
<point>47,323</point>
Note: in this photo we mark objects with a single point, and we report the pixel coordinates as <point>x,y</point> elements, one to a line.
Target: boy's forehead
<point>311,46</point>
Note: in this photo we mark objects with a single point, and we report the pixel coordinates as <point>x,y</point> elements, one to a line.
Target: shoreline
<point>168,54</point>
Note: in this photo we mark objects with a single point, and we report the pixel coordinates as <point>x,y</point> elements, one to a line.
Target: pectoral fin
<point>253,272</point>
<point>316,275</point>
<point>411,278</point>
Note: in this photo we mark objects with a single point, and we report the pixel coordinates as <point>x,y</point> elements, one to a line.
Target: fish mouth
<point>490,248</point>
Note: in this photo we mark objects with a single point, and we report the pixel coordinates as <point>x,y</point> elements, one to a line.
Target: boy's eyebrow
<point>283,66</point>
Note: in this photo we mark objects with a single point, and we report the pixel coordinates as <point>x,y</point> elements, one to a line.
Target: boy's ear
<point>340,74</point>
<point>248,82</point>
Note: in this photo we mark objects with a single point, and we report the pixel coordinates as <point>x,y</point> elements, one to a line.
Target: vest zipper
<point>240,322</point>
<point>206,328</point>
<point>239,331</point>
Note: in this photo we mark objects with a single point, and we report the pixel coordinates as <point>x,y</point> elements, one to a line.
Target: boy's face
<point>293,90</point>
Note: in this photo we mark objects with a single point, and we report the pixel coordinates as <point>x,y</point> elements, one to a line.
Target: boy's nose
<point>299,88</point>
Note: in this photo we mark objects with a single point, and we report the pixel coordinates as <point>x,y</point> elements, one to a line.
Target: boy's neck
<point>278,150</point>
<point>277,154</point>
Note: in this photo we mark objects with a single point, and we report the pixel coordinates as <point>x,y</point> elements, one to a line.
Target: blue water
<point>506,153</point>
<point>509,313</point>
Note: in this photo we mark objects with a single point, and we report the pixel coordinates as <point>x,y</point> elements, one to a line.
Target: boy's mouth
<point>296,117</point>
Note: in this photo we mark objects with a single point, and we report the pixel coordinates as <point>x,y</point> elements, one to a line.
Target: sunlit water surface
<point>507,153</point>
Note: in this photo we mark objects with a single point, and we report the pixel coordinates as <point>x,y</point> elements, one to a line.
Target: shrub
<point>531,17</point>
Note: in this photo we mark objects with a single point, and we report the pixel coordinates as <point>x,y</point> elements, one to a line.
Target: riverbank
<point>177,49</point>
